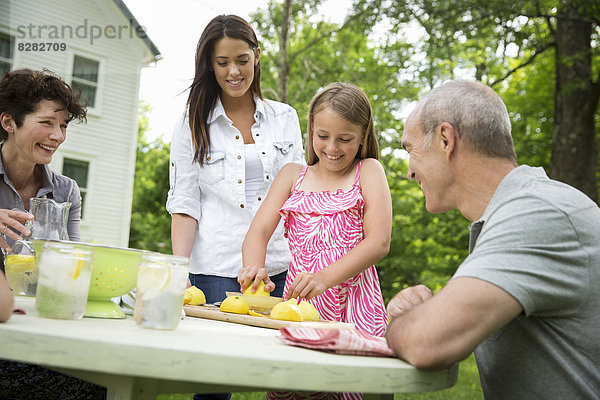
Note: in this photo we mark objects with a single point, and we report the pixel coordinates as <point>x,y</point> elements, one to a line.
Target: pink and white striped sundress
<point>321,228</point>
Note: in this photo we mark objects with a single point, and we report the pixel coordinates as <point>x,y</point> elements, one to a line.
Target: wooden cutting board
<point>213,312</point>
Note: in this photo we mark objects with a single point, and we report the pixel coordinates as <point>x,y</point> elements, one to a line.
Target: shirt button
<point>172,164</point>
<point>207,158</point>
<point>239,181</point>
<point>258,134</point>
<point>237,136</point>
<point>260,198</point>
<point>241,206</point>
<point>263,152</point>
<point>239,157</point>
<point>267,176</point>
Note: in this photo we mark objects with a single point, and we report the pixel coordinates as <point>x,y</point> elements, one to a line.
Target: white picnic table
<point>200,356</point>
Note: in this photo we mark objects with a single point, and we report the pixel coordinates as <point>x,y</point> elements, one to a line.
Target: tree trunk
<point>283,63</point>
<point>574,150</point>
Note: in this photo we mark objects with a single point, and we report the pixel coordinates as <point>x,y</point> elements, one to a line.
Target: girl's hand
<point>16,220</point>
<point>256,274</point>
<point>306,286</point>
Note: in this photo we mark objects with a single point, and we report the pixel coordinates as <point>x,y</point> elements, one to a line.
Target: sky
<point>175,26</point>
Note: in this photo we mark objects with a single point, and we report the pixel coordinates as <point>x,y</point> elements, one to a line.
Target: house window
<point>85,78</point>
<point>78,170</point>
<point>6,53</point>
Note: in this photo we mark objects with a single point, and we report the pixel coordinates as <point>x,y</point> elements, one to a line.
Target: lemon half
<point>259,292</point>
<point>194,296</point>
<point>309,312</point>
<point>235,304</point>
<point>287,311</point>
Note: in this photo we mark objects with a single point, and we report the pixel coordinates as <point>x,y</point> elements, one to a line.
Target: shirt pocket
<point>283,154</point>
<point>213,170</point>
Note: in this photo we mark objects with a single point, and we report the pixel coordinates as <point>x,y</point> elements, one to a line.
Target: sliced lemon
<point>19,263</point>
<point>21,272</point>
<point>287,311</point>
<point>196,296</point>
<point>235,304</point>
<point>152,277</point>
<point>309,312</point>
<point>78,268</point>
<point>255,314</point>
<point>259,292</point>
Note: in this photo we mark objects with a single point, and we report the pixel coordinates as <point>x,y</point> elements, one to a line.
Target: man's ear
<point>448,138</point>
<point>7,122</point>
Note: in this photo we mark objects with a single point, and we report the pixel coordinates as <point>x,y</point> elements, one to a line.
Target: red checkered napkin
<point>341,341</point>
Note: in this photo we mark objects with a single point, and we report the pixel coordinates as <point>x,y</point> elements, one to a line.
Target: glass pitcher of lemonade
<point>49,222</point>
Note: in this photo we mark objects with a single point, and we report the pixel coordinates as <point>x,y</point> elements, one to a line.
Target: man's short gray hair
<point>477,113</point>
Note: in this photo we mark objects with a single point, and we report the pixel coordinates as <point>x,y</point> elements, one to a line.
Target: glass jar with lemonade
<point>161,282</point>
<point>20,269</point>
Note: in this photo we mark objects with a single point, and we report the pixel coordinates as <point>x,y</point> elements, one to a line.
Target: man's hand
<point>407,299</point>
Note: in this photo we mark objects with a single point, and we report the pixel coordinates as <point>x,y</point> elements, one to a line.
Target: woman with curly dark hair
<point>35,110</point>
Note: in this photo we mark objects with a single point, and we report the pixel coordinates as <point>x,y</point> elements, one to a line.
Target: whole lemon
<point>309,312</point>
<point>194,296</point>
<point>259,292</point>
<point>234,304</point>
<point>286,311</point>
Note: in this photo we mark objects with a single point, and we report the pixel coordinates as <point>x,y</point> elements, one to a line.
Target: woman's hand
<point>306,286</point>
<point>256,274</point>
<point>14,219</point>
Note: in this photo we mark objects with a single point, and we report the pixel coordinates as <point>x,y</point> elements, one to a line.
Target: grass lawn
<point>467,388</point>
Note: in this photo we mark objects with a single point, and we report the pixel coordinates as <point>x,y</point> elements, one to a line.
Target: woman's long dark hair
<point>205,89</point>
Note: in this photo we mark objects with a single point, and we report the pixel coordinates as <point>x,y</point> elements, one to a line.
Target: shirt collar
<point>219,111</point>
<point>46,175</point>
<point>512,182</point>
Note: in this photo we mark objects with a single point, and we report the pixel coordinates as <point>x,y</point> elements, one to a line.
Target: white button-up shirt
<point>215,195</point>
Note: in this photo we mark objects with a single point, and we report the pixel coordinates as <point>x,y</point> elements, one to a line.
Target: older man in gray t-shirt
<point>527,298</point>
<point>539,241</point>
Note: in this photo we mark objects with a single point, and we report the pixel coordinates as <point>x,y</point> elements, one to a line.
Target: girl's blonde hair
<point>352,104</point>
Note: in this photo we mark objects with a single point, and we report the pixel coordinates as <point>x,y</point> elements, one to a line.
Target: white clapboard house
<point>99,47</point>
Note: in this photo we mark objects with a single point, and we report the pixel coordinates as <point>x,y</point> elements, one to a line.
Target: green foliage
<point>425,248</point>
<point>530,102</point>
<point>320,53</point>
<point>150,222</point>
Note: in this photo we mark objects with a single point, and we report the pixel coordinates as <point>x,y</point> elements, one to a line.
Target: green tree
<point>150,221</point>
<point>320,52</point>
<point>493,40</point>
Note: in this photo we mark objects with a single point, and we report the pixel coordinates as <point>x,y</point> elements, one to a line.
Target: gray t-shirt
<point>539,240</point>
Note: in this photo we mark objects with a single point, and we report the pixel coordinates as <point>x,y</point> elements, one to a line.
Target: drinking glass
<point>64,280</point>
<point>161,283</point>
<point>19,263</point>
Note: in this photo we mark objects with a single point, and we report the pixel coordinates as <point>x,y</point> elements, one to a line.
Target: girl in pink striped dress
<point>338,216</point>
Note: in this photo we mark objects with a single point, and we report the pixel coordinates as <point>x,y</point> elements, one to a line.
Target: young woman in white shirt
<point>225,152</point>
